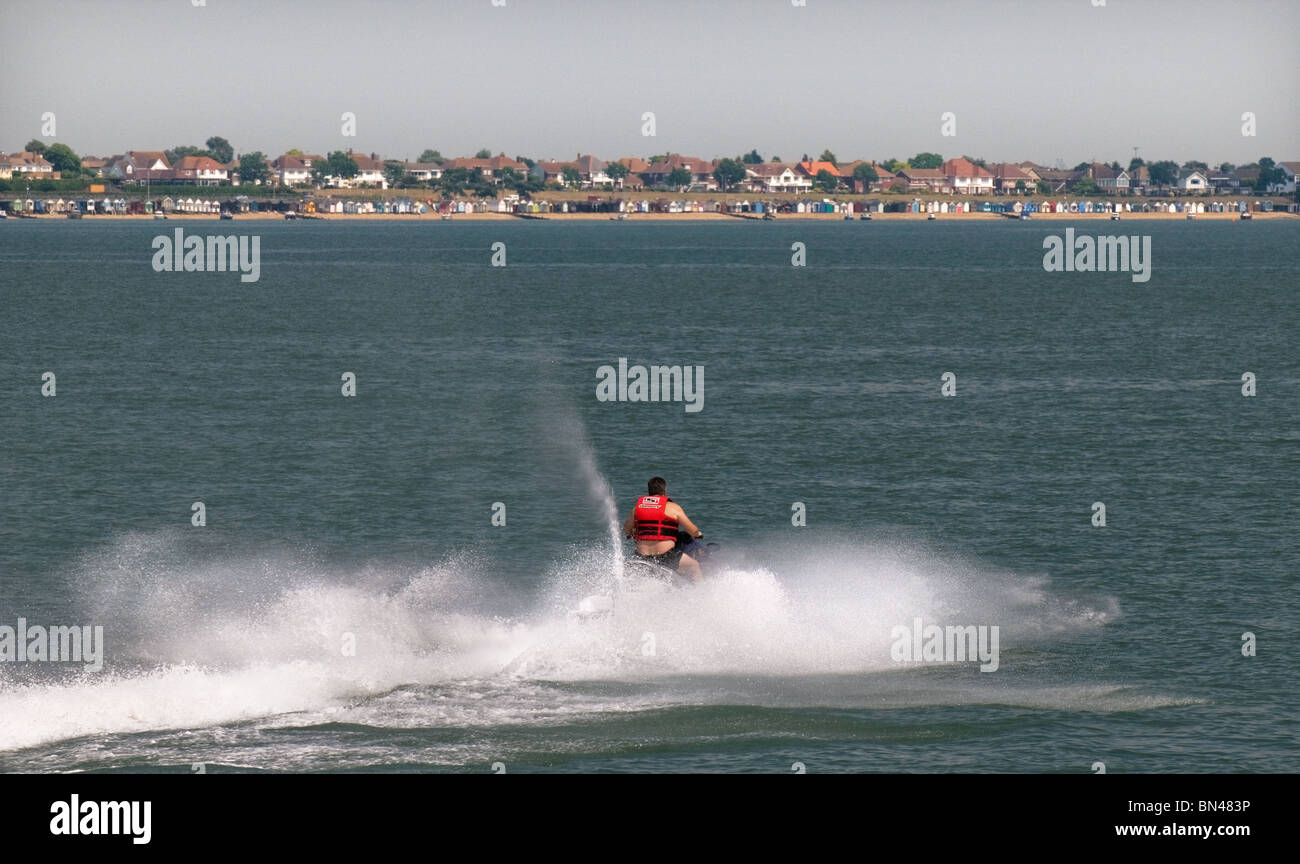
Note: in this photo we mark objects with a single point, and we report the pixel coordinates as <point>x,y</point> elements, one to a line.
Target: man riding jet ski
<point>663,532</point>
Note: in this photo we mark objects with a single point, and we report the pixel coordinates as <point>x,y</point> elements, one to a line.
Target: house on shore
<point>772,177</point>
<point>200,171</point>
<point>812,168</point>
<point>1007,175</point>
<point>550,171</point>
<point>925,180</point>
<point>700,171</point>
<point>424,171</point>
<point>295,170</point>
<point>967,178</point>
<point>489,168</point>
<point>29,165</point>
<point>139,166</point>
<point>884,177</point>
<point>1194,181</point>
<point>1108,178</point>
<point>635,167</point>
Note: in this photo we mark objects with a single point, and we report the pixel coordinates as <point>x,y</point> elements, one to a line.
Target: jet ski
<point>706,553</point>
<point>642,574</point>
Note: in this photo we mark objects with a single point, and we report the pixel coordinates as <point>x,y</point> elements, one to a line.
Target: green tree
<point>63,159</point>
<point>826,181</point>
<point>394,173</point>
<point>253,168</point>
<point>617,170</point>
<point>182,150</point>
<point>1163,173</point>
<point>1227,168</point>
<point>511,178</point>
<point>926,160</point>
<point>1269,174</point>
<point>431,156</point>
<point>454,180</point>
<point>1020,186</point>
<point>485,153</point>
<point>728,173</point>
<point>294,152</point>
<point>776,158</point>
<point>337,164</point>
<point>1191,166</point>
<point>828,156</point>
<point>751,158</point>
<point>1085,186</point>
<point>679,177</point>
<point>220,149</point>
<point>36,146</point>
<point>866,173</point>
<point>893,166</point>
<point>570,175</point>
<point>1134,164</point>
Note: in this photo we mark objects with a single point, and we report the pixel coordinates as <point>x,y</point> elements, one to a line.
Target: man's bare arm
<point>685,522</point>
<point>627,526</point>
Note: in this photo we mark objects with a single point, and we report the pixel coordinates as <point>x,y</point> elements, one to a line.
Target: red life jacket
<point>650,521</point>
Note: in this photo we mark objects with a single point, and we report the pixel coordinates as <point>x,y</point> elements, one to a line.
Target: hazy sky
<point>1031,79</point>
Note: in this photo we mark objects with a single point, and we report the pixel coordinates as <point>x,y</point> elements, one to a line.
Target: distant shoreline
<point>657,217</point>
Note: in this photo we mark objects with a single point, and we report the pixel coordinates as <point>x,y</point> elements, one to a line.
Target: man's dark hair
<point>657,486</point>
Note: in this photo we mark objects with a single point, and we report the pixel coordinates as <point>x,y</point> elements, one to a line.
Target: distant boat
<point>160,215</point>
<point>865,217</point>
<point>1190,217</point>
<point>289,214</point>
<point>930,218</point>
<point>1246,215</point>
<point>226,214</point>
<point>4,214</point>
<point>1024,214</point>
<point>1114,217</point>
<point>74,214</point>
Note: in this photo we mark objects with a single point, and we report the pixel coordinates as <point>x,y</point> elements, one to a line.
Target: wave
<point>201,639</point>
